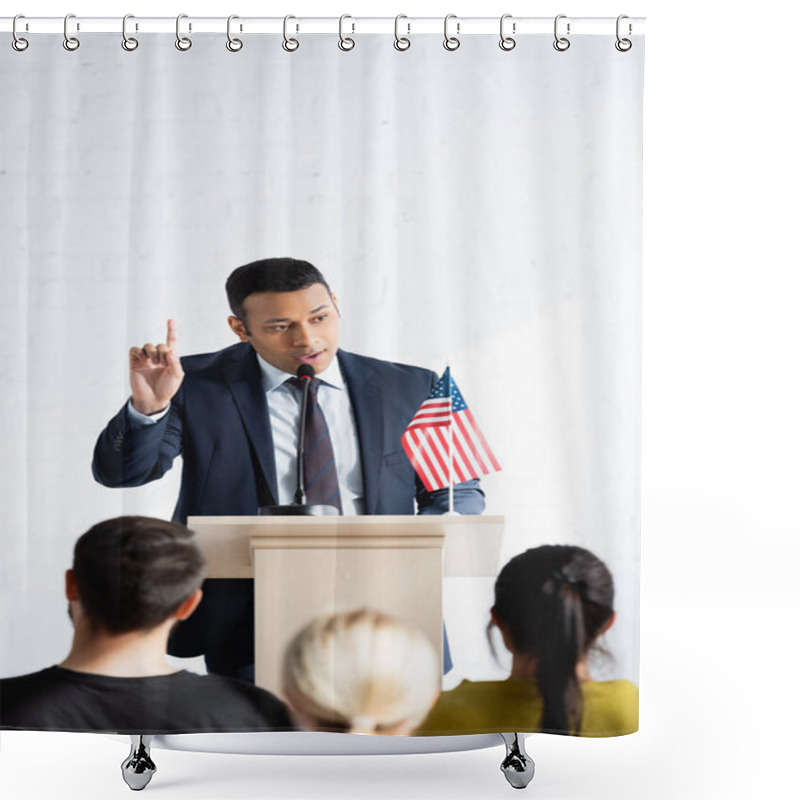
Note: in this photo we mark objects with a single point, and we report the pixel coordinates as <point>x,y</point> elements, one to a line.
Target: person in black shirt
<point>132,580</point>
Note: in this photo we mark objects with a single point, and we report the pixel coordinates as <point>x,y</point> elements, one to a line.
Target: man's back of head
<point>133,573</point>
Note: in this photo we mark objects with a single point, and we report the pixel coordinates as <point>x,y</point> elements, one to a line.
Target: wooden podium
<point>307,566</point>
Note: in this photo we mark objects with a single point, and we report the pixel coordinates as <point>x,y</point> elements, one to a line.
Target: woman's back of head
<point>552,603</point>
<point>361,672</point>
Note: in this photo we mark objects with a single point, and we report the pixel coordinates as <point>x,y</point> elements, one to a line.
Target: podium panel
<point>308,566</point>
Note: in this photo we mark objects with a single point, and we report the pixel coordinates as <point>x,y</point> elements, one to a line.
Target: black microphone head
<point>305,371</point>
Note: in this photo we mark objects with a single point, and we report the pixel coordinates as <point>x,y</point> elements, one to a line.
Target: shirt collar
<point>272,377</point>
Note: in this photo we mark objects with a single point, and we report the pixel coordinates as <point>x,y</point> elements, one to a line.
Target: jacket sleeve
<point>468,498</point>
<point>130,455</point>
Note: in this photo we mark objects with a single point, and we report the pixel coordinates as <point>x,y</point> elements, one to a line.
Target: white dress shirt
<point>284,416</point>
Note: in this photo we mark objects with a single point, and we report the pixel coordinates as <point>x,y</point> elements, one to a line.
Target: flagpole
<point>450,437</point>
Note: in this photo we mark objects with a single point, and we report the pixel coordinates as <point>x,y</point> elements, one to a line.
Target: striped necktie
<point>320,480</point>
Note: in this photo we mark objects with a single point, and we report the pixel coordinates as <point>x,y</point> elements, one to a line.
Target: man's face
<point>288,329</point>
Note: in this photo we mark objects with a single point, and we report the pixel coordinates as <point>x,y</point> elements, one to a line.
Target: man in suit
<point>233,417</point>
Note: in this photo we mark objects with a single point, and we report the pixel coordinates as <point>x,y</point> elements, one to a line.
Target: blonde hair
<point>360,671</point>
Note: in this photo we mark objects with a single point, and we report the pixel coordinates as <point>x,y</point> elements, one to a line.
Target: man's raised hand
<point>155,373</point>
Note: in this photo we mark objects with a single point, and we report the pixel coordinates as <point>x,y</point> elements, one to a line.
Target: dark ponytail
<point>554,601</point>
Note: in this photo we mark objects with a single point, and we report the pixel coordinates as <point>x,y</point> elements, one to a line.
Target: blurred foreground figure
<point>132,580</point>
<point>360,672</point>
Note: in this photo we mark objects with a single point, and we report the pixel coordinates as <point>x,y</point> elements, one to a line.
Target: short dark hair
<point>132,573</point>
<point>270,275</point>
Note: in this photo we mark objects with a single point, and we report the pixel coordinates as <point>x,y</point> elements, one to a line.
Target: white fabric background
<point>478,206</point>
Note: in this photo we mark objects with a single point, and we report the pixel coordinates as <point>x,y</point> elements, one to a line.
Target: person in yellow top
<point>552,603</point>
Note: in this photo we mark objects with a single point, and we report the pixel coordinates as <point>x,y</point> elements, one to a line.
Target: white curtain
<point>479,208</point>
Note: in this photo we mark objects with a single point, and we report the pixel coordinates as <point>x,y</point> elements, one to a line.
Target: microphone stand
<point>300,492</point>
<point>299,507</point>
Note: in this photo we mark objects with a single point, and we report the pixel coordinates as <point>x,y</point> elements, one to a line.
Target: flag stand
<point>450,456</point>
<point>451,510</point>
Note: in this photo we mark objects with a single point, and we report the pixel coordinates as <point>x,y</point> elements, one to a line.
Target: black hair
<point>554,601</point>
<point>270,275</point>
<point>132,573</point>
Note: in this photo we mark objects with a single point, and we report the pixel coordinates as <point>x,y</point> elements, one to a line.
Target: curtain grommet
<point>18,42</point>
<point>233,44</point>
<point>70,43</point>
<point>507,43</point>
<point>451,43</point>
<point>401,43</point>
<point>561,43</point>
<point>183,43</point>
<point>289,44</point>
<point>129,43</point>
<point>623,44</point>
<point>346,43</point>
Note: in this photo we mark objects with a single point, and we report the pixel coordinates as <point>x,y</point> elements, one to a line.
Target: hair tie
<point>560,576</point>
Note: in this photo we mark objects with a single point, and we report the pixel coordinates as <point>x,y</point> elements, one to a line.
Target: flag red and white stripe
<point>428,438</point>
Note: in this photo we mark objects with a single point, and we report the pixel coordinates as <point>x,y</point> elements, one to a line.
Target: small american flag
<point>426,440</point>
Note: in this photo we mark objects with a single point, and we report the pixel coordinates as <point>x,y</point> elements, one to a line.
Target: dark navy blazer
<point>219,423</point>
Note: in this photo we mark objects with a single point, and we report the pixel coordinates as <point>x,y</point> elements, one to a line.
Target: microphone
<point>305,373</point>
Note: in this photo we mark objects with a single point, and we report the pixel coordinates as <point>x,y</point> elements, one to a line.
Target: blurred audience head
<point>361,672</point>
<point>134,573</point>
<point>551,605</point>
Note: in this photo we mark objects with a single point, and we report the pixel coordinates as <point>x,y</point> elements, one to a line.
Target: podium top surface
<point>471,543</point>
<point>420,521</point>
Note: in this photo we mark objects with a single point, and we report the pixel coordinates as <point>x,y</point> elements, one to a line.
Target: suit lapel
<point>365,393</point>
<point>243,377</point>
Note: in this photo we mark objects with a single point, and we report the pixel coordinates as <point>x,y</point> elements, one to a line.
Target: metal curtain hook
<point>451,42</point>
<point>507,42</point>
<point>289,45</point>
<point>401,42</point>
<point>561,43</point>
<point>182,42</point>
<point>623,45</point>
<point>18,43</point>
<point>234,45</point>
<point>345,42</point>
<point>70,42</point>
<point>128,42</point>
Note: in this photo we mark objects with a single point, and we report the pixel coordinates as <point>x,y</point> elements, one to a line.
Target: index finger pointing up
<point>172,334</point>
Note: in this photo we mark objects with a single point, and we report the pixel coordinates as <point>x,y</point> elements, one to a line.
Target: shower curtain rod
<point>460,26</point>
